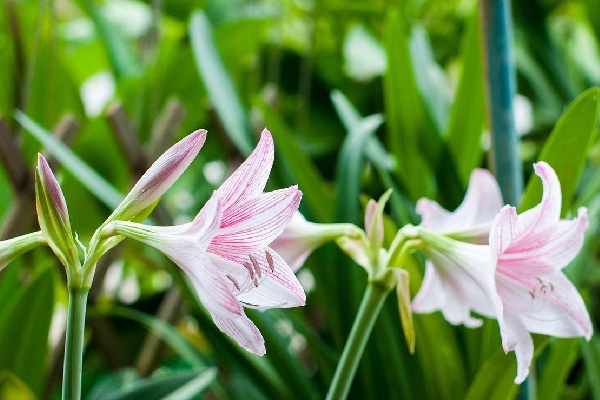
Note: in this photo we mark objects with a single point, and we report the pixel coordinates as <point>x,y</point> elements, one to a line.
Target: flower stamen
<point>270,261</point>
<point>256,265</point>
<point>235,283</point>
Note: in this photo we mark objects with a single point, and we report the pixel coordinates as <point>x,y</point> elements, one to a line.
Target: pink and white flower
<point>529,251</point>
<point>225,250</point>
<point>524,256</point>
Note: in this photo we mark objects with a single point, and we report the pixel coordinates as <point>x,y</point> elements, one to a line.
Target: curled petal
<point>547,212</point>
<point>250,178</point>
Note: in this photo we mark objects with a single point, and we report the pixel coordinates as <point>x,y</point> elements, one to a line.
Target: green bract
<point>53,216</point>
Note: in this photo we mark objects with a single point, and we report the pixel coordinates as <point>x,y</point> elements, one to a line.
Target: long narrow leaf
<point>309,179</point>
<point>557,366</point>
<point>163,330</point>
<point>219,83</point>
<point>466,115</point>
<point>24,327</point>
<point>405,113</point>
<point>89,178</point>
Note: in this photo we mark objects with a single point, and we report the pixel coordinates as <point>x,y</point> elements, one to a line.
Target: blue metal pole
<point>500,85</point>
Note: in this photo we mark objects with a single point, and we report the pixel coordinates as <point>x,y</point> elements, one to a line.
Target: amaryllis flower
<point>459,276</point>
<point>225,250</point>
<point>529,251</point>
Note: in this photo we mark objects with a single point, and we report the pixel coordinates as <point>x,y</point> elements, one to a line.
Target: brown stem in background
<point>127,138</point>
<point>22,213</point>
<point>165,128</point>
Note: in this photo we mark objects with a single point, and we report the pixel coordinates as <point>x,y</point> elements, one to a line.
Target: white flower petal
<point>482,202</point>
<point>459,279</point>
<point>243,331</point>
<point>523,347</point>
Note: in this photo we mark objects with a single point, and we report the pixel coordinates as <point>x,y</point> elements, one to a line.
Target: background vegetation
<point>360,96</point>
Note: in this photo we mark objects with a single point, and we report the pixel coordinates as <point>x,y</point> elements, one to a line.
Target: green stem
<point>74,344</point>
<point>368,312</point>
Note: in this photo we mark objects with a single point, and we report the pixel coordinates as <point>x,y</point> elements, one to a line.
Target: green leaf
<point>194,387</point>
<point>176,385</point>
<point>376,154</point>
<point>405,112</point>
<point>429,76</point>
<point>495,378</point>
<point>219,83</point>
<point>562,355</point>
<point>567,148</point>
<point>591,357</point>
<point>89,178</point>
<point>466,115</point>
<point>162,329</point>
<point>24,327</point>
<point>350,165</point>
<point>11,387</point>
<point>120,52</point>
<point>303,170</point>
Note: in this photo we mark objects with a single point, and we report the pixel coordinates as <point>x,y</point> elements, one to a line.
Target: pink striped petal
<point>243,331</point>
<point>256,223</point>
<point>250,178</point>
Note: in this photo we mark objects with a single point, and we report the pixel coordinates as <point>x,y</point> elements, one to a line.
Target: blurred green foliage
<point>360,96</point>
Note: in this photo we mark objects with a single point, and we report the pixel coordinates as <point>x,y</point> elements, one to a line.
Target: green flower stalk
<point>53,217</point>
<point>384,274</point>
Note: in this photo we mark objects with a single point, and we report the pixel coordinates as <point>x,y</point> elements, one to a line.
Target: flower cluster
<point>487,259</point>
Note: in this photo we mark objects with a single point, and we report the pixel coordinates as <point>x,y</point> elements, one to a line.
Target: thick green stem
<point>74,344</point>
<point>368,312</point>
